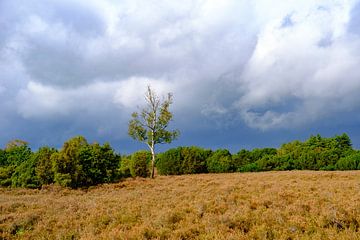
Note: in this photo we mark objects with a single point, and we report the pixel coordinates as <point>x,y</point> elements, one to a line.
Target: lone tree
<point>149,125</point>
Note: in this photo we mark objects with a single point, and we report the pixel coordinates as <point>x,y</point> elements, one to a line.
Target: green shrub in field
<point>351,162</point>
<point>194,160</point>
<point>99,164</point>
<point>139,164</point>
<point>17,152</point>
<point>250,167</point>
<point>64,179</point>
<point>81,164</point>
<point>17,165</point>
<point>125,166</point>
<point>43,169</point>
<point>24,175</point>
<point>68,163</point>
<point>3,160</point>
<point>169,162</point>
<point>183,160</point>
<point>220,161</point>
<point>5,175</point>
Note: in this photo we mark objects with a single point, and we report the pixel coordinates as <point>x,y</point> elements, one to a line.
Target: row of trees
<point>77,164</point>
<point>316,153</point>
<point>80,164</point>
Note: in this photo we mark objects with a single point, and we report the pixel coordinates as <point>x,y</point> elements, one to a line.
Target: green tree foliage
<point>82,164</point>
<point>220,161</point>
<point>16,152</point>
<point>139,164</point>
<point>150,125</point>
<point>194,160</point>
<point>24,175</point>
<point>67,163</point>
<point>44,166</point>
<point>99,164</point>
<point>125,166</point>
<point>183,160</point>
<point>5,175</point>
<point>169,162</point>
<point>15,167</point>
<point>3,160</point>
<point>350,162</point>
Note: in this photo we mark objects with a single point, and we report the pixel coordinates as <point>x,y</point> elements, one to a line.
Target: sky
<point>244,74</point>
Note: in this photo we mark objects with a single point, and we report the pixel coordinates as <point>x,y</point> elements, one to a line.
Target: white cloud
<point>289,64</point>
<point>130,93</point>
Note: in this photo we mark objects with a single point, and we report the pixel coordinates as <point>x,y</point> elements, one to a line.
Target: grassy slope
<point>272,205</point>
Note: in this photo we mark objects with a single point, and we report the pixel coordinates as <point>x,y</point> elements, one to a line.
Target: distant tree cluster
<point>80,164</point>
<point>316,153</point>
<point>77,164</point>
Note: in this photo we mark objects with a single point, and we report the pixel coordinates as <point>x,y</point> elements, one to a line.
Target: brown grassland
<point>270,205</point>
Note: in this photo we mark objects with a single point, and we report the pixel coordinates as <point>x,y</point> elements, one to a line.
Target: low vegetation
<point>266,205</point>
<point>79,164</point>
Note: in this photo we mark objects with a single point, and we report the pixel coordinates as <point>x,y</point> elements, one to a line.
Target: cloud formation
<point>303,71</point>
<point>228,63</point>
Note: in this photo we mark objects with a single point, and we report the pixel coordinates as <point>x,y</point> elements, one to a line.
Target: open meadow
<point>268,205</point>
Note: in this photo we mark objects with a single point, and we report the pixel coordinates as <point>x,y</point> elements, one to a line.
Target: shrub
<point>63,179</point>
<point>351,162</point>
<point>24,175</point>
<point>183,160</point>
<point>139,165</point>
<point>193,160</point>
<point>125,166</point>
<point>3,161</point>
<point>43,170</point>
<point>99,164</point>
<point>16,152</point>
<point>250,167</point>
<point>81,164</point>
<point>220,161</point>
<point>5,175</point>
<point>169,162</point>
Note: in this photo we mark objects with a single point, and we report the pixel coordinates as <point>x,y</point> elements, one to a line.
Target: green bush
<point>24,175</point>
<point>99,164</point>
<point>63,179</point>
<point>125,166</point>
<point>169,162</point>
<point>5,175</point>
<point>3,160</point>
<point>351,162</point>
<point>44,170</point>
<point>250,167</point>
<point>220,161</point>
<point>193,160</point>
<point>139,164</point>
<point>183,160</point>
<point>81,164</point>
<point>17,152</point>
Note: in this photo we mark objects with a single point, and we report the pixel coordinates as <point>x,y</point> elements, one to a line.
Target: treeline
<point>316,153</point>
<point>81,164</point>
<point>77,164</point>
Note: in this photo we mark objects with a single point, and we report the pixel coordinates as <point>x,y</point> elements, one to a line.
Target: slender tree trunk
<point>152,163</point>
<point>152,148</point>
<point>153,151</point>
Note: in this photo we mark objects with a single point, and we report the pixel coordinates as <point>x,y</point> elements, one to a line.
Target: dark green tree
<point>68,171</point>
<point>220,161</point>
<point>139,164</point>
<point>44,166</point>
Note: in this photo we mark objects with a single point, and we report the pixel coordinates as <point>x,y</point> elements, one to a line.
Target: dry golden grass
<point>271,205</point>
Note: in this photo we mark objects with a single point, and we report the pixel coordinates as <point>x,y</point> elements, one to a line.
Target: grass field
<point>270,205</point>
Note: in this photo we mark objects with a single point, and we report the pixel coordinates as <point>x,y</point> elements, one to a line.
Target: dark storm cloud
<point>80,67</point>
